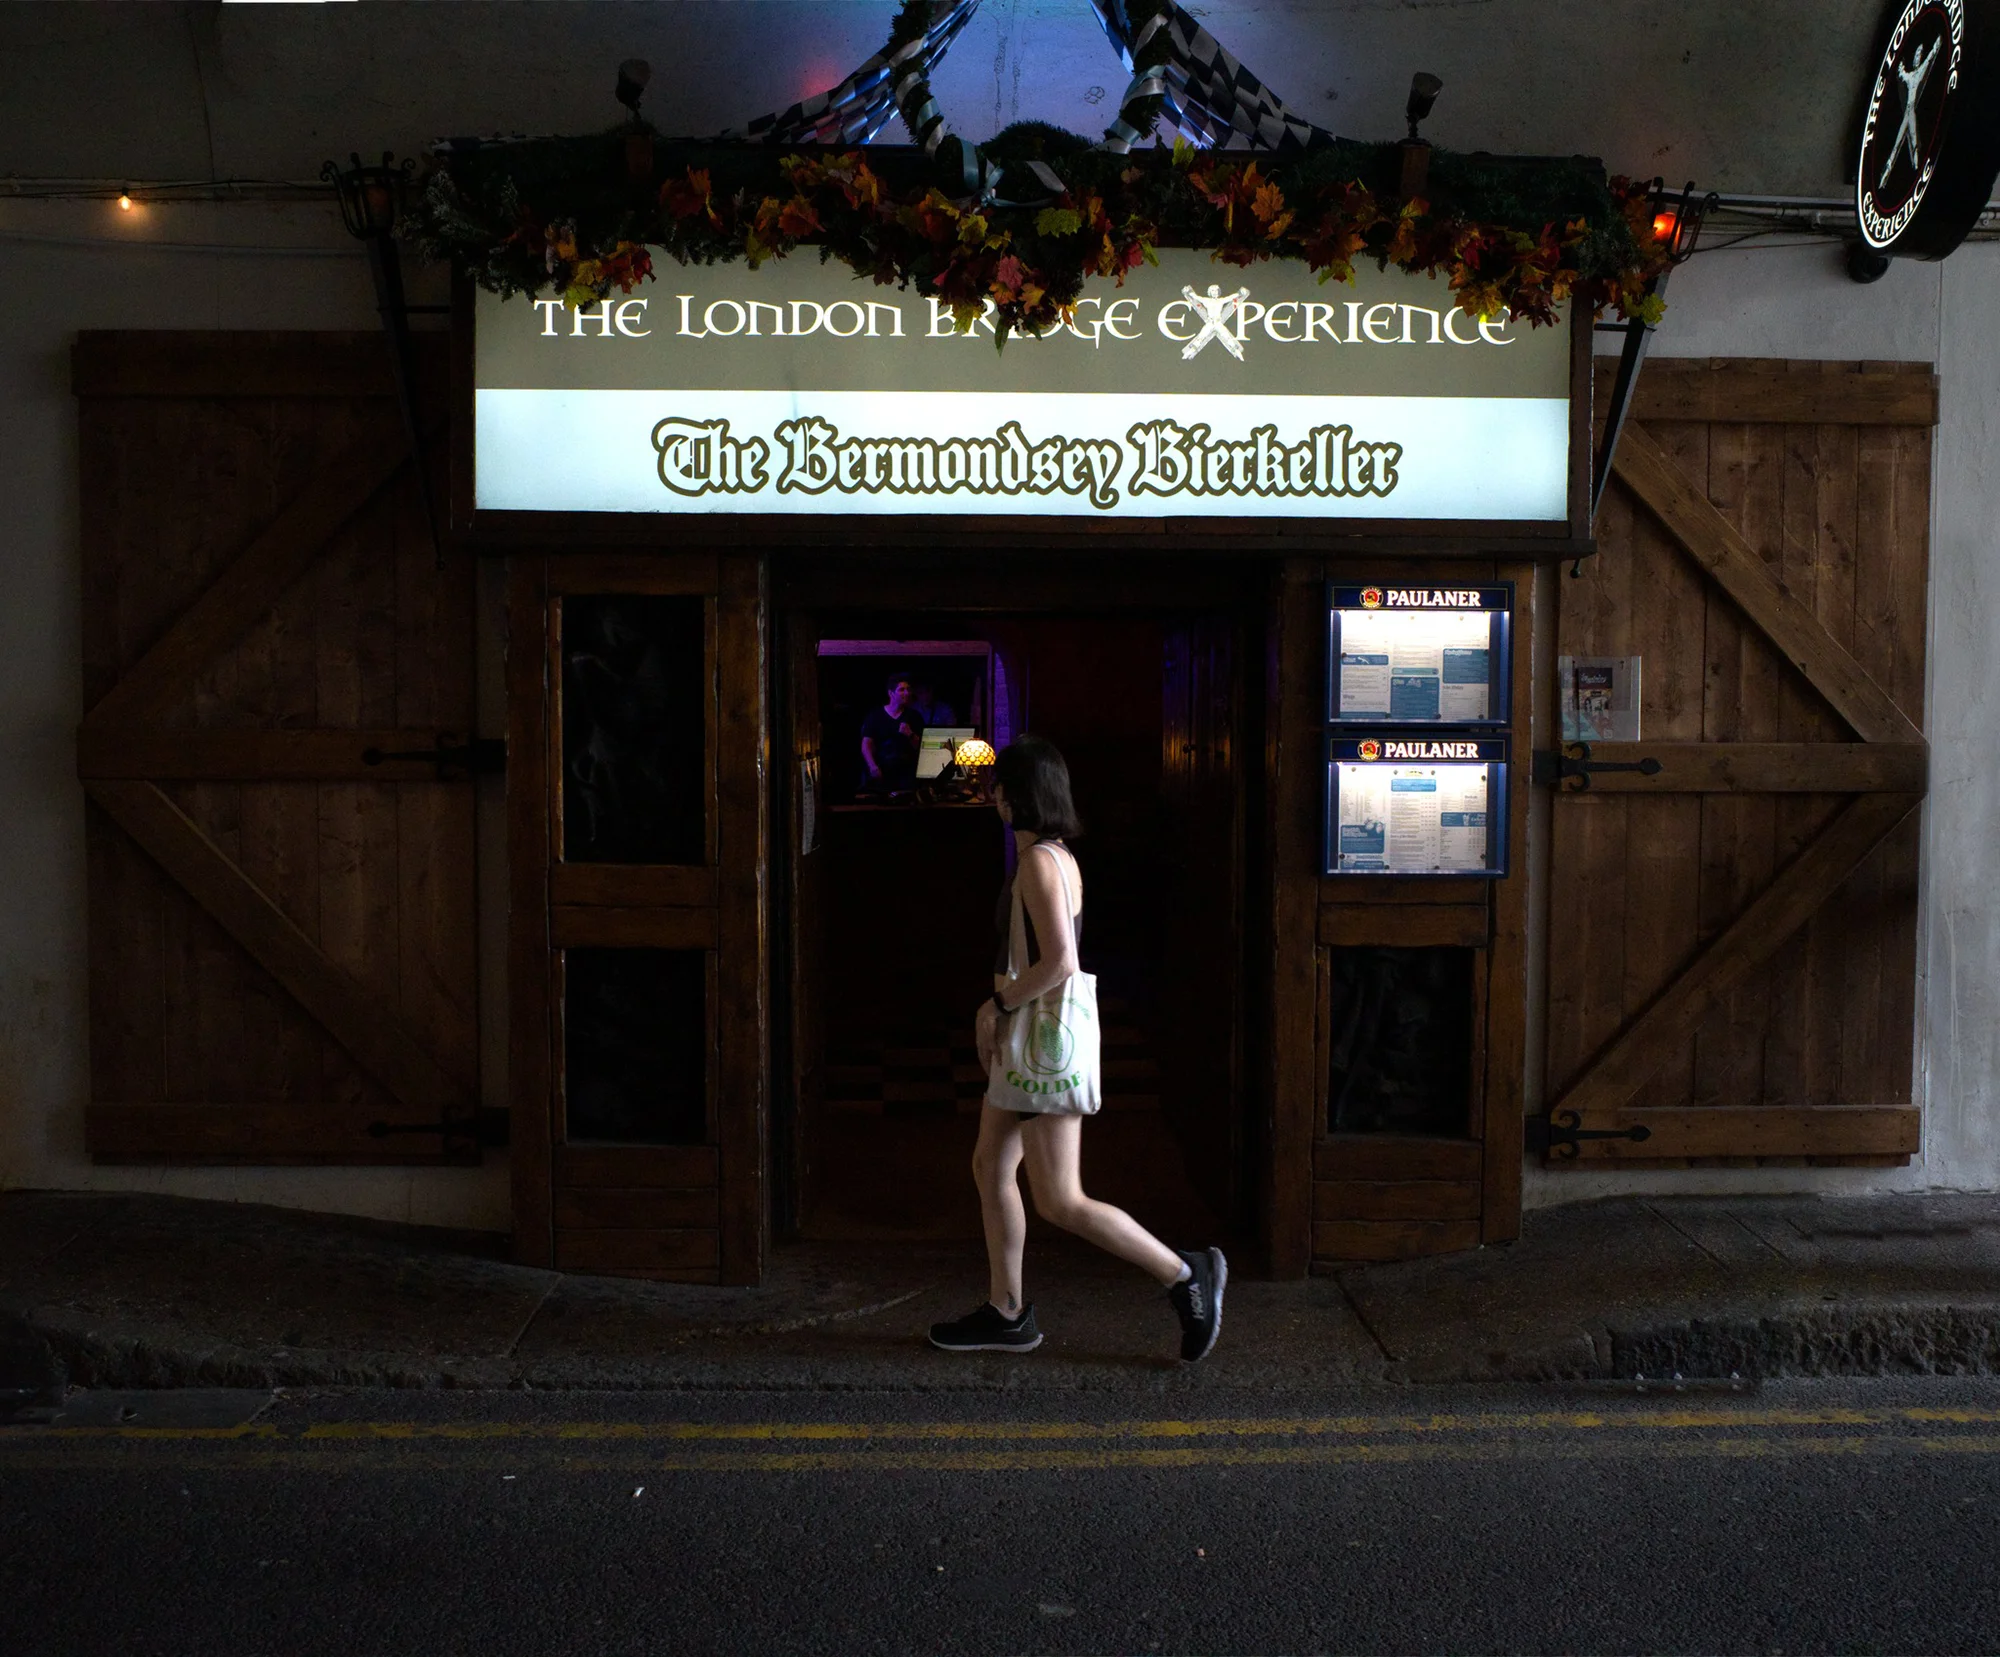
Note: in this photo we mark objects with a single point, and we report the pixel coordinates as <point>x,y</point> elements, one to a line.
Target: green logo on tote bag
<point>1049,1046</point>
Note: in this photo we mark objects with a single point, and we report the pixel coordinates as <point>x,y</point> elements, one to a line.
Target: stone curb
<point>49,1347</point>
<point>1834,1340</point>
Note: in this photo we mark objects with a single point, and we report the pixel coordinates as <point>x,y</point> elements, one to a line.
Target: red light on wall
<point>818,77</point>
<point>1666,226</point>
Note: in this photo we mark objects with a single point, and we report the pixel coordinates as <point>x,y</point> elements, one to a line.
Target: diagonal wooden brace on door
<point>1714,543</point>
<point>1599,1098</point>
<point>381,1043</point>
<point>254,580</point>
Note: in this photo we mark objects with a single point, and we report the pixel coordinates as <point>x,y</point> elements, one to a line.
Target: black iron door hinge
<point>1570,767</point>
<point>1561,1134</point>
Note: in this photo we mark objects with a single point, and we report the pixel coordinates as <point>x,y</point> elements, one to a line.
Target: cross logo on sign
<point>1913,79</point>
<point>1215,309</point>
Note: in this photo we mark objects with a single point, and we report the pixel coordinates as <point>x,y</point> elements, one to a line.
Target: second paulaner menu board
<point>1416,805</point>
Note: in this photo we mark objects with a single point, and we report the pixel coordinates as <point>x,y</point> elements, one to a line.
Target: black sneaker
<point>1198,1301</point>
<point>985,1330</point>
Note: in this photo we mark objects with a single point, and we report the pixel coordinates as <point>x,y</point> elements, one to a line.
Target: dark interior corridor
<point>894,938</point>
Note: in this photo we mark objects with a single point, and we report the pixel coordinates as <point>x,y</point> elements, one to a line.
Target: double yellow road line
<point>1020,1446</point>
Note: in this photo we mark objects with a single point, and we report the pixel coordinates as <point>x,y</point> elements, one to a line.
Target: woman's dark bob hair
<point>1032,771</point>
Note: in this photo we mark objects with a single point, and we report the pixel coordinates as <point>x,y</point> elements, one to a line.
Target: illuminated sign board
<point>1419,655</point>
<point>1196,390</point>
<point>1416,806</point>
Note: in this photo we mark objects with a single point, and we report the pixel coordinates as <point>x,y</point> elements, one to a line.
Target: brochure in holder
<point>1419,655</point>
<point>1416,804</point>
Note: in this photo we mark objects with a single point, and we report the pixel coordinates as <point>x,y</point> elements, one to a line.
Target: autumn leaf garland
<point>1513,235</point>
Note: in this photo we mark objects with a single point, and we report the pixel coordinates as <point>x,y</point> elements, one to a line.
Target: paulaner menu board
<point>1419,655</point>
<point>1416,805</point>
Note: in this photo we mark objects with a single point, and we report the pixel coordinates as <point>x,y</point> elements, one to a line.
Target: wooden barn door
<point>1732,932</point>
<point>638,849</point>
<point>281,918</point>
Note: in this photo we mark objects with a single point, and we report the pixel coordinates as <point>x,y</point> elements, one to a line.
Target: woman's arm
<point>1042,896</point>
<point>1041,890</point>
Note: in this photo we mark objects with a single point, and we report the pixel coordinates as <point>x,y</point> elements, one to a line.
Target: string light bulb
<point>124,204</point>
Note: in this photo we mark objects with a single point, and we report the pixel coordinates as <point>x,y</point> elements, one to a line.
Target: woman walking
<point>1038,1042</point>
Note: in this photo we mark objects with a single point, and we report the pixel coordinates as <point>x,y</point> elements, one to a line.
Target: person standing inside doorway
<point>932,709</point>
<point>889,738</point>
<point>1041,921</point>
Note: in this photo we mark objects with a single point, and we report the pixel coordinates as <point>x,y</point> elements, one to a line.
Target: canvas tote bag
<point>1049,1054</point>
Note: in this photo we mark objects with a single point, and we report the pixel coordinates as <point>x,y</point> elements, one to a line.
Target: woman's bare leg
<point>996,1169</point>
<point>1053,1146</point>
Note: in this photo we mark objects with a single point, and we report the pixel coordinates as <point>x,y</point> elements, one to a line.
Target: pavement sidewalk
<point>131,1291</point>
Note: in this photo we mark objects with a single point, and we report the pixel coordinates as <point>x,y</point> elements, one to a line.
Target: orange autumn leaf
<point>1268,204</point>
<point>685,198</point>
<point>797,219</point>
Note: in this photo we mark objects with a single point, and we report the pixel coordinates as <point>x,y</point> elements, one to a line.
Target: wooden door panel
<point>663,1167</point>
<point>183,1017</point>
<point>637,1208</point>
<point>1771,572</point>
<point>614,1189</point>
<point>283,952</point>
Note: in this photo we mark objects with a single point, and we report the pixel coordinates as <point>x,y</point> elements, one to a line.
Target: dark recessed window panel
<point>635,1046</point>
<point>634,727</point>
<point>1400,1041</point>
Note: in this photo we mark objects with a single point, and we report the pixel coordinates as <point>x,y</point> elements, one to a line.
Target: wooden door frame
<point>1341,1198</point>
<point>721,907</point>
<point>897,581</point>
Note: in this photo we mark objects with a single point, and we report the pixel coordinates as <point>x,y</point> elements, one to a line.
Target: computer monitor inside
<point>938,744</point>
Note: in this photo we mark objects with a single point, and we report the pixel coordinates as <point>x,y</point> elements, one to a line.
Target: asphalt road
<point>1806,1517</point>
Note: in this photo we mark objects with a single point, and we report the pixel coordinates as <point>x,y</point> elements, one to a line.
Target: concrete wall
<point>1752,98</point>
<point>202,90</point>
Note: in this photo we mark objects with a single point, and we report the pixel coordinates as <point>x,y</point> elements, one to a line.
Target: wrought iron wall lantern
<point>1677,223</point>
<point>372,197</point>
<point>1416,171</point>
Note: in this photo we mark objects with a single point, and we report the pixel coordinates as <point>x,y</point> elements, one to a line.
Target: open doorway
<point>890,931</point>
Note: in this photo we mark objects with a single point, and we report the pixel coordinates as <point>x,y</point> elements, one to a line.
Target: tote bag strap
<point>1017,918</point>
<point>1062,874</point>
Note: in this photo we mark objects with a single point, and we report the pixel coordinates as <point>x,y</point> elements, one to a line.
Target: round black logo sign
<point>1931,141</point>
